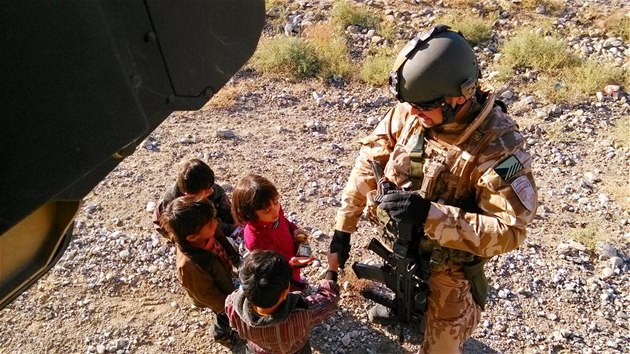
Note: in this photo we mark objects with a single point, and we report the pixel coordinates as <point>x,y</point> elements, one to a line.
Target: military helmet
<point>435,64</point>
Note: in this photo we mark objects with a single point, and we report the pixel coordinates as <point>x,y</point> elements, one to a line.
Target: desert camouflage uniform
<point>481,201</point>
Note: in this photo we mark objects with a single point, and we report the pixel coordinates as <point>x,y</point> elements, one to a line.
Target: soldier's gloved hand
<point>405,206</point>
<point>340,244</point>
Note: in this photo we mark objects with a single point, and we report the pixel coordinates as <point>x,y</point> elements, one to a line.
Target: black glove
<point>340,244</point>
<point>407,207</point>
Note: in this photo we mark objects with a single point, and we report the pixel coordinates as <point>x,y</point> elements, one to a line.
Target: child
<point>255,204</point>
<point>197,178</point>
<point>203,265</point>
<point>267,315</point>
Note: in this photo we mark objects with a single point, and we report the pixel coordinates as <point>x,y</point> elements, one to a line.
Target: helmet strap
<point>449,113</point>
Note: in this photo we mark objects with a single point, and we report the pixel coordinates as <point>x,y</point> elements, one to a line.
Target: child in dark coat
<point>204,268</point>
<point>197,178</point>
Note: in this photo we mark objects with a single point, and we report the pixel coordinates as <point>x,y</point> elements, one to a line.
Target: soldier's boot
<point>381,315</point>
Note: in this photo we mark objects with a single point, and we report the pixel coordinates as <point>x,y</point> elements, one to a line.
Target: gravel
<point>566,290</point>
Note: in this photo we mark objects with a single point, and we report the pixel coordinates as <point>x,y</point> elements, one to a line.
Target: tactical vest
<point>441,172</point>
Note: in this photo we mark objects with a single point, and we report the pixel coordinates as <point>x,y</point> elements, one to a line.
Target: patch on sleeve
<point>524,191</point>
<point>508,168</point>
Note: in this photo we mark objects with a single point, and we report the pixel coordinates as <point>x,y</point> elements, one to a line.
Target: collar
<point>457,132</point>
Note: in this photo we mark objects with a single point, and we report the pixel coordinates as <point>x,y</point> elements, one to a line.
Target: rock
<point>346,340</point>
<point>607,272</point>
<point>373,121</point>
<point>611,90</point>
<point>615,262</point>
<point>225,133</point>
<point>507,94</point>
<point>606,250</point>
<point>577,246</point>
<point>528,100</point>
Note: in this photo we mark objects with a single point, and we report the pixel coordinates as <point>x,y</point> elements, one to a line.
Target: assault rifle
<point>406,268</point>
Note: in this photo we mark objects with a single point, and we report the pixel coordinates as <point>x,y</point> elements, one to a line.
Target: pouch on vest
<point>474,273</point>
<point>431,170</point>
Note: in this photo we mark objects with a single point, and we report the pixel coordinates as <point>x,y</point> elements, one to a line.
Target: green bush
<point>590,76</point>
<point>528,49</point>
<point>577,82</point>
<point>588,235</point>
<point>345,14</point>
<point>618,24</point>
<point>376,68</point>
<point>287,56</point>
<point>476,29</point>
<point>620,133</point>
<point>331,48</point>
<point>552,6</point>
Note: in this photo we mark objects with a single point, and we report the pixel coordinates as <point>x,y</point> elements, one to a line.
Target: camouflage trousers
<point>452,315</point>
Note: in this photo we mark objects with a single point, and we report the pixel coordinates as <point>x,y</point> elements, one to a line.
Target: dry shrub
<point>228,96</point>
<point>331,48</point>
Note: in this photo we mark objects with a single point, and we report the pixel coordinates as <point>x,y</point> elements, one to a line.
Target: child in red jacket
<point>255,203</point>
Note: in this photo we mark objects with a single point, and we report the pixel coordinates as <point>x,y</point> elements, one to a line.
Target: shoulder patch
<point>524,191</point>
<point>508,168</point>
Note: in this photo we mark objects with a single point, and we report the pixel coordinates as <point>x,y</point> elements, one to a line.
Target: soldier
<point>459,161</point>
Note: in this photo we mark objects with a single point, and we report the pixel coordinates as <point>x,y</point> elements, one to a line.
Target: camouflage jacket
<point>484,193</point>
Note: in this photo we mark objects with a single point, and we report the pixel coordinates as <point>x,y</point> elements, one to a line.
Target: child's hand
<point>300,262</point>
<point>300,235</point>
<point>333,261</point>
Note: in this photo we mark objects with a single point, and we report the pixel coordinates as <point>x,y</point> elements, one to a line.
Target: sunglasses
<point>427,106</point>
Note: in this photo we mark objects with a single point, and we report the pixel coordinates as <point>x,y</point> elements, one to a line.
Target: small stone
<point>606,250</point>
<point>373,120</point>
<point>528,100</point>
<point>612,344</point>
<point>577,246</point>
<point>615,262</point>
<point>346,340</point>
<point>607,272</point>
<point>557,336</point>
<point>600,96</point>
<point>611,90</point>
<point>507,95</point>
<point>225,133</point>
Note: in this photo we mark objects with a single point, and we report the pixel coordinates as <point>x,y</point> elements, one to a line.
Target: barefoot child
<point>256,205</point>
<point>203,265</point>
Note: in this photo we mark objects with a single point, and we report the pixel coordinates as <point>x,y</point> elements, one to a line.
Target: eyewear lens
<point>427,106</point>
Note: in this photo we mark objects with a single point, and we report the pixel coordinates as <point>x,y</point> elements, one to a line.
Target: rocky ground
<point>566,290</point>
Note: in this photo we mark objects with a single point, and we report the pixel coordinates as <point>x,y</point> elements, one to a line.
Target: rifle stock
<point>374,273</point>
